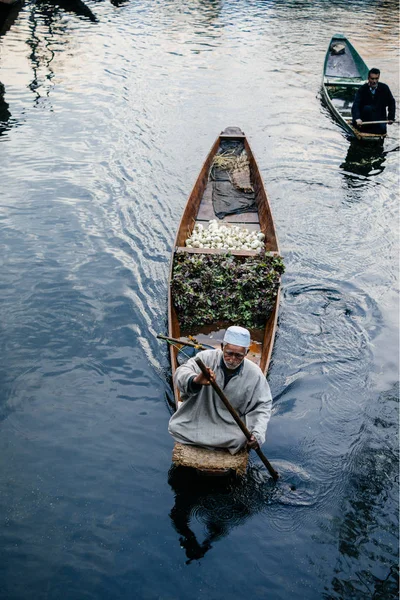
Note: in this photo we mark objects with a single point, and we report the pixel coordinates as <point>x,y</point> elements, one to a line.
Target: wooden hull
<point>343,74</point>
<point>199,208</point>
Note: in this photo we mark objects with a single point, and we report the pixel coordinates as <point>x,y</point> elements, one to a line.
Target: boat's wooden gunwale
<point>264,210</point>
<point>356,83</point>
<point>192,206</point>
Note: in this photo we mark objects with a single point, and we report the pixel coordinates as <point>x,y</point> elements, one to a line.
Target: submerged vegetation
<point>221,287</point>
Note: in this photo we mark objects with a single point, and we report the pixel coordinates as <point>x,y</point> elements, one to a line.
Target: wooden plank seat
<point>181,249</point>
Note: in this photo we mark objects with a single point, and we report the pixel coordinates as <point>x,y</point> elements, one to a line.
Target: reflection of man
<point>4,112</point>
<point>202,419</point>
<point>370,104</point>
<point>192,495</point>
<point>218,503</point>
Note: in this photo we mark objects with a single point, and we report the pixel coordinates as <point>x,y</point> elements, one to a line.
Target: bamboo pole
<point>183,342</point>
<point>375,122</point>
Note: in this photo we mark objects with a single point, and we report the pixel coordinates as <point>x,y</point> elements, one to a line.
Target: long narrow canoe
<point>344,72</point>
<point>199,210</point>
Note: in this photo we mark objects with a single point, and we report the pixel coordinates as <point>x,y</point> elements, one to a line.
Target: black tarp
<point>226,198</point>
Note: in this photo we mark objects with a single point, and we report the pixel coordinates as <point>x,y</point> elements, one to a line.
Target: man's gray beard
<point>229,367</point>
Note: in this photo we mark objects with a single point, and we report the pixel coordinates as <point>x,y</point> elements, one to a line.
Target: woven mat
<point>202,458</point>
<point>241,179</point>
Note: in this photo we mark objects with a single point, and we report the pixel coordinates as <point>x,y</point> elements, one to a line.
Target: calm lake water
<point>109,110</point>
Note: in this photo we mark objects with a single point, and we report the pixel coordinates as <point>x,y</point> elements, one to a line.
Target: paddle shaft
<point>374,122</point>
<point>177,341</point>
<point>238,420</point>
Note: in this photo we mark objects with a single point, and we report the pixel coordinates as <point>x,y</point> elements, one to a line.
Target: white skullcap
<point>238,336</point>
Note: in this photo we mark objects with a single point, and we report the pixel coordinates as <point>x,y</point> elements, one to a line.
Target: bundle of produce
<point>207,288</point>
<point>237,166</point>
<point>225,161</point>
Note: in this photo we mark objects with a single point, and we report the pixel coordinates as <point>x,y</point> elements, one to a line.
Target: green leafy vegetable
<point>221,287</point>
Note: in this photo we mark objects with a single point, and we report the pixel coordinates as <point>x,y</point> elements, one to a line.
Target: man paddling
<point>373,102</point>
<point>202,419</point>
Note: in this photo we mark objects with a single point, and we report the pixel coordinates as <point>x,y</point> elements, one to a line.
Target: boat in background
<point>344,72</point>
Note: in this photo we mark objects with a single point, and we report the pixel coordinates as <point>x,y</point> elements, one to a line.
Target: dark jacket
<point>372,107</point>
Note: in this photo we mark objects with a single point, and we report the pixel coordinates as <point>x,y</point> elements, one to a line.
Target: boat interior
<point>341,63</point>
<point>249,220</point>
<point>342,98</point>
<point>208,191</point>
<point>201,209</point>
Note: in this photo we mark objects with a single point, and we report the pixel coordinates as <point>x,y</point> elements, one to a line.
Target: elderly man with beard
<point>370,104</point>
<point>202,419</point>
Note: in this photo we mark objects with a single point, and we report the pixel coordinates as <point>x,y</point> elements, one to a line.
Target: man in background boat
<point>202,418</point>
<point>371,102</point>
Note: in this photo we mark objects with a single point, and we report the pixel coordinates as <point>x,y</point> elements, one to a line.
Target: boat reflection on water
<point>50,8</point>
<point>118,3</point>
<point>4,112</point>
<point>8,15</point>
<point>365,159</point>
<point>216,504</point>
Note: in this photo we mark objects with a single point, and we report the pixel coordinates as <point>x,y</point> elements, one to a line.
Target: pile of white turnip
<point>225,237</point>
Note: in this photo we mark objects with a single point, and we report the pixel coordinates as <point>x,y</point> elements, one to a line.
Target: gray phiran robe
<point>202,418</point>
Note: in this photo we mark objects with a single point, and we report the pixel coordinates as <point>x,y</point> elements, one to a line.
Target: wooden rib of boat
<point>199,209</point>
<point>344,72</point>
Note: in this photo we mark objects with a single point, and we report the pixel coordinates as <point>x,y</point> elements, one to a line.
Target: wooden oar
<point>238,420</point>
<point>375,122</point>
<point>183,342</point>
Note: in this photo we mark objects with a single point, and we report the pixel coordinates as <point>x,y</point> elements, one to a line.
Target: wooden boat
<point>344,72</point>
<point>200,210</point>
